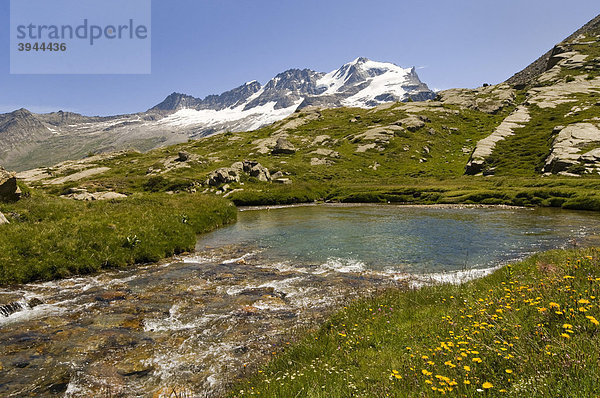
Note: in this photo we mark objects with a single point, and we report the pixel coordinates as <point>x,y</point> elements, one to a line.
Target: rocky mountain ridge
<point>31,140</point>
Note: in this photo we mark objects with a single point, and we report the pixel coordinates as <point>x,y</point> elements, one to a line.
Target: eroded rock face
<point>9,191</point>
<point>567,148</point>
<point>485,147</point>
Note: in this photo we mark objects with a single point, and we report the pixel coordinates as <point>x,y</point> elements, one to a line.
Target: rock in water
<point>9,191</point>
<point>284,147</point>
<point>3,219</point>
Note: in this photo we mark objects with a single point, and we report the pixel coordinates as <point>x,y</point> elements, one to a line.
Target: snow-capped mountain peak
<point>360,83</point>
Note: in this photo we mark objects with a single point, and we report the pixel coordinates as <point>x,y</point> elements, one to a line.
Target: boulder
<point>284,147</point>
<point>3,219</point>
<point>223,175</point>
<point>412,123</point>
<point>285,181</point>
<point>260,172</point>
<point>9,191</point>
<point>183,156</point>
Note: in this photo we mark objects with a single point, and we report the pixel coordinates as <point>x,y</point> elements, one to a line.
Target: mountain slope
<point>556,128</point>
<point>42,140</point>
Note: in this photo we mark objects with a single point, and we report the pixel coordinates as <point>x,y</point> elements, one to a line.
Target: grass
<point>529,329</point>
<point>51,238</point>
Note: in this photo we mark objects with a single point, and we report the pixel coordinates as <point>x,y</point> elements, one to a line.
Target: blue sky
<point>203,47</point>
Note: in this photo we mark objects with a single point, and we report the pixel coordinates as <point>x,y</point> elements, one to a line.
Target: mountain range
<point>33,140</point>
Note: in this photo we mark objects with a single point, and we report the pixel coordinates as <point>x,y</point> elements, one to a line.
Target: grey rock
<point>283,146</point>
<point>260,172</point>
<point>285,181</point>
<point>413,122</point>
<point>3,219</point>
<point>223,175</point>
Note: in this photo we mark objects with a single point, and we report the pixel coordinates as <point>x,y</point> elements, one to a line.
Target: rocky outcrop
<point>224,175</point>
<point>490,99</point>
<point>283,147</point>
<point>227,175</point>
<point>83,195</point>
<point>485,147</point>
<point>9,190</point>
<point>567,148</point>
<point>412,122</point>
<point>545,62</point>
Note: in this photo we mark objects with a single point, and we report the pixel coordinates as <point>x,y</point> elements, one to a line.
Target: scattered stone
<point>3,219</point>
<point>366,147</point>
<point>285,181</point>
<point>276,175</point>
<point>320,139</point>
<point>283,147</point>
<point>183,156</point>
<point>320,162</point>
<point>9,191</point>
<point>326,152</point>
<point>413,122</point>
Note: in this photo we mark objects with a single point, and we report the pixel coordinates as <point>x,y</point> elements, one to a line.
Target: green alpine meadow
<point>344,234</point>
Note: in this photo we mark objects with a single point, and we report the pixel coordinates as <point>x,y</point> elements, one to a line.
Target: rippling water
<point>194,325</point>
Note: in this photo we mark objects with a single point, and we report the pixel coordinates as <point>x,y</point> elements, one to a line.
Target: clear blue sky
<point>203,47</point>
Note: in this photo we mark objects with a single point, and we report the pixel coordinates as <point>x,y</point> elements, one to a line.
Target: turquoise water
<point>404,238</point>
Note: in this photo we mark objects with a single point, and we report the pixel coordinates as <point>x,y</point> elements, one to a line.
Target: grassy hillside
<point>530,329</point>
<point>418,165</point>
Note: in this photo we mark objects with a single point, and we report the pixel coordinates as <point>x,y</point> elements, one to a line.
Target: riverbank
<point>52,238</point>
<point>530,328</point>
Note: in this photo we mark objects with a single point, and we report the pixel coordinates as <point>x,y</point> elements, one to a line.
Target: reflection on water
<point>195,325</point>
<point>402,238</point>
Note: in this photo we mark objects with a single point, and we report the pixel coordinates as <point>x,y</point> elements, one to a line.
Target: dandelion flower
<point>467,368</point>
<point>487,385</point>
<point>593,320</point>
<point>509,371</point>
